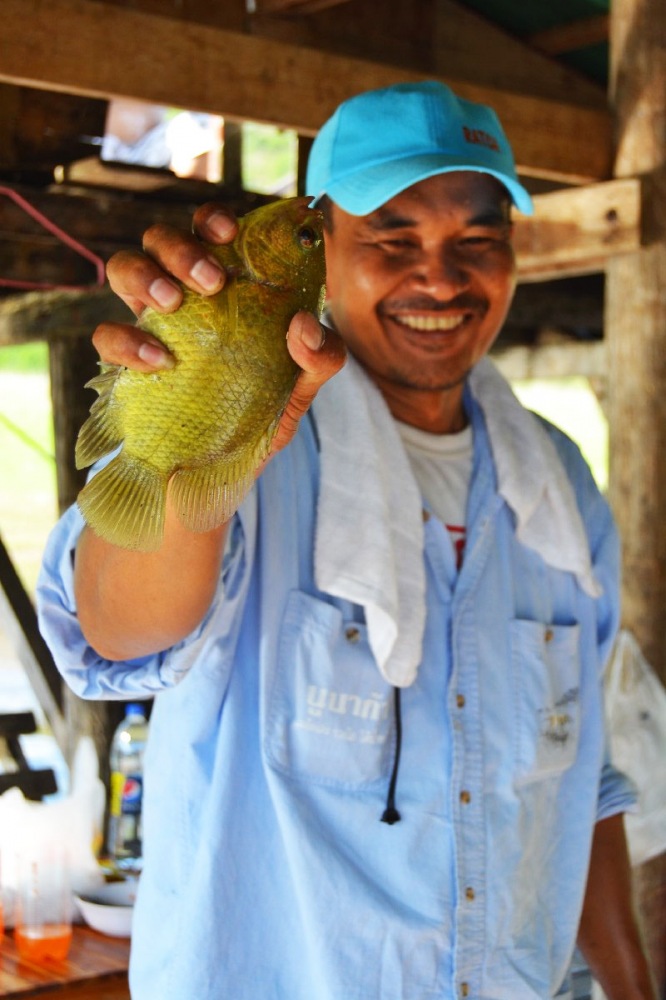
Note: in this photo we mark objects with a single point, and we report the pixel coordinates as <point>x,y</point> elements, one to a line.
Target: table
<point>95,969</point>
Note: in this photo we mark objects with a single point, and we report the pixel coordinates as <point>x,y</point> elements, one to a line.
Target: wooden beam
<point>636,329</point>
<point>573,231</point>
<point>572,36</point>
<point>433,37</point>
<point>576,231</point>
<point>552,360</point>
<point>295,6</point>
<point>45,315</point>
<point>467,43</point>
<point>100,50</point>
<point>103,221</point>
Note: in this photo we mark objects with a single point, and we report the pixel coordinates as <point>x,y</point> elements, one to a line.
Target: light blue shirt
<point>268,874</point>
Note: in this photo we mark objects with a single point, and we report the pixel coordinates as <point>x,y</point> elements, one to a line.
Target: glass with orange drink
<point>43,931</point>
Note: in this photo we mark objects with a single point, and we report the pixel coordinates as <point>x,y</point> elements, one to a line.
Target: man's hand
<point>609,936</point>
<point>146,278</point>
<point>134,603</point>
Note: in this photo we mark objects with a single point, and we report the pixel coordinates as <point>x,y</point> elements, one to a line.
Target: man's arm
<point>608,936</point>
<point>129,603</point>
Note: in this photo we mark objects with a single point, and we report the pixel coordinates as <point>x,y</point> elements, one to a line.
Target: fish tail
<point>125,504</point>
<point>205,498</point>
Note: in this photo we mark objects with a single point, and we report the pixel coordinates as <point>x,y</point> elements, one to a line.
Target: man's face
<point>419,289</point>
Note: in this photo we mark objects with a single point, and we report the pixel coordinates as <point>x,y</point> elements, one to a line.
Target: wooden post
<point>636,332</point>
<point>73,361</point>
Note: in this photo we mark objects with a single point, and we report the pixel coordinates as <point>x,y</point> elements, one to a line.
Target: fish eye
<point>307,238</point>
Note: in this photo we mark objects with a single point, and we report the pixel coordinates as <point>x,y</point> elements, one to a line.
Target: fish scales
<point>206,424</point>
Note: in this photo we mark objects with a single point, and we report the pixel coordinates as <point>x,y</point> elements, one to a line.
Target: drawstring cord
<point>391,814</point>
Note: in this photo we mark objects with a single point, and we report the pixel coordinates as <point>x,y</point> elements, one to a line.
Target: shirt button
<point>464,989</point>
<point>465,797</point>
<point>426,514</point>
<point>469,893</point>
<point>352,634</point>
<point>460,700</point>
<point>548,635</point>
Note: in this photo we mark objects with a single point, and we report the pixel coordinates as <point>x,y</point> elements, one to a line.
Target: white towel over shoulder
<point>532,479</point>
<point>369,536</point>
<point>369,541</point>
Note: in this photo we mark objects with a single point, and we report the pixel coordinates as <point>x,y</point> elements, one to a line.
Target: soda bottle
<point>126,760</point>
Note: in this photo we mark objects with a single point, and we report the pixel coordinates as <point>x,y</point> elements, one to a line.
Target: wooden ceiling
<point>289,62</point>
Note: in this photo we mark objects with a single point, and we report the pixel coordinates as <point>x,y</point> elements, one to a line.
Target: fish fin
<point>205,498</point>
<point>103,381</point>
<point>125,504</point>
<point>101,432</point>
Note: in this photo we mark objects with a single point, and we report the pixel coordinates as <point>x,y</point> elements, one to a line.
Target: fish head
<point>282,244</point>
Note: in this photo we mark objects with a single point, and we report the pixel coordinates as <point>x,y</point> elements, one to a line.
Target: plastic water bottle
<point>126,760</point>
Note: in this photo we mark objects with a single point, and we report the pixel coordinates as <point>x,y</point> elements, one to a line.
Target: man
<point>376,767</point>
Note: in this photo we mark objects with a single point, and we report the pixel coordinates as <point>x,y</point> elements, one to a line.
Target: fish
<point>202,428</point>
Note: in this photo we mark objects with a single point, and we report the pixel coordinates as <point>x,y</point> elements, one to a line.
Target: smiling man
<point>377,765</point>
<point>419,289</point>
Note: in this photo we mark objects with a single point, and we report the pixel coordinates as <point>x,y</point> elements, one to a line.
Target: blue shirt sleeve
<point>90,675</point>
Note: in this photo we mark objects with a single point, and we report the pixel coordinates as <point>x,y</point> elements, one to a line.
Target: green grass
<point>25,358</point>
<point>28,501</point>
<point>269,159</point>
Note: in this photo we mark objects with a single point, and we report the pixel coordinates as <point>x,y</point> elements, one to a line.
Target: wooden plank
<point>465,42</point>
<point>573,231</point>
<point>72,363</point>
<point>90,171</point>
<point>552,360</point>
<point>43,315</point>
<point>294,6</point>
<point>577,230</point>
<point>100,50</point>
<point>574,35</point>
<point>636,328</point>
<point>103,221</point>
<point>40,129</point>
<point>433,37</point>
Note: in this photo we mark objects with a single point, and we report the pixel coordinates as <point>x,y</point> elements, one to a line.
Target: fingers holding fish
<point>139,281</point>
<point>182,256</point>
<point>320,353</point>
<point>201,430</point>
<point>120,344</point>
<point>214,223</point>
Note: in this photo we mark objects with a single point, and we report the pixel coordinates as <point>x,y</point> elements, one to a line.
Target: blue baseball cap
<point>382,141</point>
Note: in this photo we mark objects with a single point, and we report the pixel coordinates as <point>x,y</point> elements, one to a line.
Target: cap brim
<point>363,191</point>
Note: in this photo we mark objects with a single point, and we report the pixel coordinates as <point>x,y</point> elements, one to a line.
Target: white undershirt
<point>442,465</point>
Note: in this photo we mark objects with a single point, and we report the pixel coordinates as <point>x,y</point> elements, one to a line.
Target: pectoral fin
<point>101,432</point>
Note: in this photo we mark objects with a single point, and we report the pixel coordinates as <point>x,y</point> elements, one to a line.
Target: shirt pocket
<point>329,718</point>
<point>545,664</point>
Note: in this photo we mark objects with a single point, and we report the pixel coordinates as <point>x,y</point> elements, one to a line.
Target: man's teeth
<point>431,322</point>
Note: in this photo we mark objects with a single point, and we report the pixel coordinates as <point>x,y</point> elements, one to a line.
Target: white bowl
<point>109,909</point>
